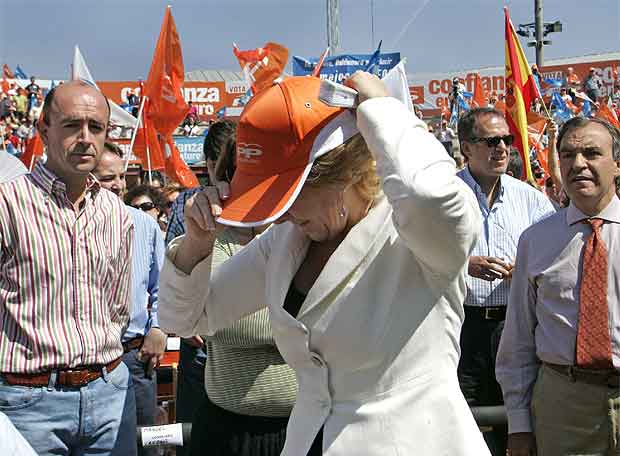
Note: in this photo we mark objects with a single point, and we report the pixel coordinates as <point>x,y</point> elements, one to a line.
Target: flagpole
<point>31,163</point>
<point>135,132</point>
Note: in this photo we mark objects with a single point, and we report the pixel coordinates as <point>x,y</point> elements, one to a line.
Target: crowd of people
<point>349,285</point>
<point>20,108</point>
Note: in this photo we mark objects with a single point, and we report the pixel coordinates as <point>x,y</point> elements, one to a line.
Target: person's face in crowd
<point>588,168</point>
<point>552,192</point>
<point>75,131</point>
<point>156,183</point>
<point>483,160</point>
<point>111,173</point>
<point>318,211</point>
<point>145,204</point>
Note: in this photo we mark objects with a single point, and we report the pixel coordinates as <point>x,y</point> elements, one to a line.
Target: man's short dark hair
<point>114,149</point>
<point>217,137</point>
<point>467,122</point>
<point>579,122</point>
<point>51,94</point>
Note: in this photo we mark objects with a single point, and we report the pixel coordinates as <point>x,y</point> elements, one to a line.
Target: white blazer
<point>376,343</point>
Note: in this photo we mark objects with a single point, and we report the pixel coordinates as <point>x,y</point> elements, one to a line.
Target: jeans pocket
<point>119,377</point>
<point>18,397</point>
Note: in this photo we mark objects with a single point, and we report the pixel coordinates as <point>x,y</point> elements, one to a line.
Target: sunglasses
<point>494,141</point>
<point>146,206</point>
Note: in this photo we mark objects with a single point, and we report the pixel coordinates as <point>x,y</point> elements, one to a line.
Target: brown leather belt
<point>601,377</point>
<point>132,344</point>
<point>68,377</point>
<point>497,313</point>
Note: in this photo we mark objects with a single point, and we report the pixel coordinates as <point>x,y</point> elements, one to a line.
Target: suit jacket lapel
<point>288,251</point>
<point>349,254</point>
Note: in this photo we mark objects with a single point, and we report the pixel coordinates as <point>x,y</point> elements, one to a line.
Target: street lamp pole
<point>539,31</point>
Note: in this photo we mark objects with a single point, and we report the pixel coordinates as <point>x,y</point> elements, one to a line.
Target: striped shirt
<point>64,275</point>
<point>517,207</point>
<point>148,259</point>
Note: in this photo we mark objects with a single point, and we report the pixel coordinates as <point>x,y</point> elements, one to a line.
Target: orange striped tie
<point>593,348</point>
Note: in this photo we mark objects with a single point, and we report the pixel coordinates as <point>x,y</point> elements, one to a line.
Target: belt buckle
<point>76,377</point>
<point>487,313</point>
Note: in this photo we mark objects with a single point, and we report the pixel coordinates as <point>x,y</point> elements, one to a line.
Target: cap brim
<point>258,200</point>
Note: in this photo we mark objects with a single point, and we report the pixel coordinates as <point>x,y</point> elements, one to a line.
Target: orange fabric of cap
<point>275,139</point>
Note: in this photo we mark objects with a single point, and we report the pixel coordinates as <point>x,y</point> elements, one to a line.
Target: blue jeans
<point>145,388</point>
<point>99,418</point>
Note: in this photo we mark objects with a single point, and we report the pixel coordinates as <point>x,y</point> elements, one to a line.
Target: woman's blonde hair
<point>350,163</point>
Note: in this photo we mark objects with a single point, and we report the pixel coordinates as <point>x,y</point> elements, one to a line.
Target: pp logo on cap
<point>248,152</point>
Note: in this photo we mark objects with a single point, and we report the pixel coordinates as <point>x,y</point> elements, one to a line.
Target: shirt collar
<point>611,213</point>
<point>471,181</point>
<point>52,184</point>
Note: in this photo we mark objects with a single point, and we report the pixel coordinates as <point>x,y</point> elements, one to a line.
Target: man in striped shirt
<point>65,265</point>
<point>508,207</point>
<point>143,342</point>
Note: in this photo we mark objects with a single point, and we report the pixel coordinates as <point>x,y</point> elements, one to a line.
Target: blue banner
<point>191,148</point>
<point>339,67</point>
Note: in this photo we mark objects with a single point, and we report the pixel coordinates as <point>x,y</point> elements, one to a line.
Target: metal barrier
<point>177,434</point>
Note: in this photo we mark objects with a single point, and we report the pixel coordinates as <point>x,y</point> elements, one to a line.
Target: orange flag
<point>536,125</point>
<point>6,71</point>
<point>167,107</point>
<point>480,98</point>
<point>606,113</point>
<point>176,168</point>
<point>147,137</point>
<point>5,85</point>
<point>262,66</point>
<point>520,92</point>
<point>34,151</point>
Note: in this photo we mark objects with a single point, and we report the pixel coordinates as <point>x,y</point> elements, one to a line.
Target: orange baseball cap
<point>282,130</point>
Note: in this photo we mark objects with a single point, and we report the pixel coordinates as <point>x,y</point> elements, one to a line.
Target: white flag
<point>79,71</point>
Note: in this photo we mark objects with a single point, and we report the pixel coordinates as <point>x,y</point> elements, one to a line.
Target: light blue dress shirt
<point>147,261</point>
<point>10,167</point>
<point>517,207</point>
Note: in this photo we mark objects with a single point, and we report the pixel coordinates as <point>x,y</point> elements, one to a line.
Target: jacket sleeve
<point>517,364</point>
<point>433,209</point>
<point>204,301</point>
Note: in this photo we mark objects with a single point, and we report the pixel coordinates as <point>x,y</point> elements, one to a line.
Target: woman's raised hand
<point>367,86</point>
<point>201,212</point>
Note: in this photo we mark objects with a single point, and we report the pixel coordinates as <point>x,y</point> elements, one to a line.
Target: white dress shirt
<point>375,345</point>
<point>543,311</point>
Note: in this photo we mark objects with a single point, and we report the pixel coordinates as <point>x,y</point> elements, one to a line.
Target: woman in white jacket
<point>363,271</point>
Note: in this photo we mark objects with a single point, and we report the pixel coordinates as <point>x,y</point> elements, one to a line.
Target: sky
<point>117,37</point>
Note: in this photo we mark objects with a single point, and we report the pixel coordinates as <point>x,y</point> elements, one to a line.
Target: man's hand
<point>521,444</point>
<point>489,268</point>
<point>153,348</point>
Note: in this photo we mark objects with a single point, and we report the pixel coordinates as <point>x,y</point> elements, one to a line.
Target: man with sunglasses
<point>143,342</point>
<point>508,207</point>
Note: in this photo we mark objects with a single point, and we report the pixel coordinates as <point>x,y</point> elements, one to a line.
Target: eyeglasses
<point>494,141</point>
<point>146,206</point>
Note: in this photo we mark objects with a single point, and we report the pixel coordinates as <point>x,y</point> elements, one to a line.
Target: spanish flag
<point>520,92</point>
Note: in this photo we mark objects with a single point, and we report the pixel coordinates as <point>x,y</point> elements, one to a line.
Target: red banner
<point>208,97</point>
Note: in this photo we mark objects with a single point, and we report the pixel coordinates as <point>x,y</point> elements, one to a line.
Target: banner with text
<point>430,91</point>
<point>208,97</point>
<point>339,67</point>
<point>190,147</point>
